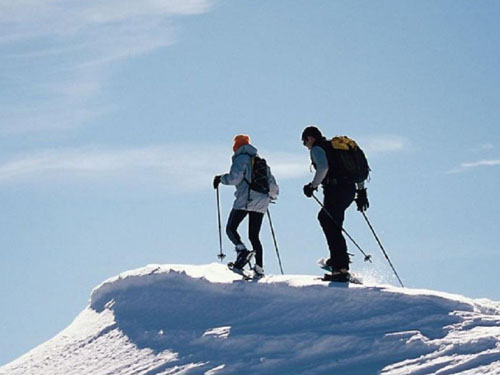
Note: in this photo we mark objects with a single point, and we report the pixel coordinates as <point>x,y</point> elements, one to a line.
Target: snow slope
<point>175,319</point>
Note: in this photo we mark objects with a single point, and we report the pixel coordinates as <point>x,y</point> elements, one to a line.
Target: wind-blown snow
<point>175,319</point>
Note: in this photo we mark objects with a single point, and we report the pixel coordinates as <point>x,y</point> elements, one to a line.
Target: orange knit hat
<point>240,140</point>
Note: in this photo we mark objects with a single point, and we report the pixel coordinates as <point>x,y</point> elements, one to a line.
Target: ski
<point>351,279</point>
<point>240,270</point>
<point>248,275</point>
<point>348,278</point>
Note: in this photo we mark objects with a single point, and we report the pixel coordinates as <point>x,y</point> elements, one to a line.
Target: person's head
<point>240,140</point>
<point>310,135</point>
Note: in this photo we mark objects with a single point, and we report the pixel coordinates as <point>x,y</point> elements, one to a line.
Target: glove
<point>216,181</point>
<point>362,200</point>
<point>309,190</point>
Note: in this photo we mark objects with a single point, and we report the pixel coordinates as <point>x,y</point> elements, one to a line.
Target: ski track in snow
<point>176,319</point>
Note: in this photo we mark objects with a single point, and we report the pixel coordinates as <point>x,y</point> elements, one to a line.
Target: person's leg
<point>333,233</point>
<point>336,201</point>
<point>235,219</point>
<point>254,225</point>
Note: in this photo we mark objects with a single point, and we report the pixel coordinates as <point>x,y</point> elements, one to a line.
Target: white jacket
<point>241,171</point>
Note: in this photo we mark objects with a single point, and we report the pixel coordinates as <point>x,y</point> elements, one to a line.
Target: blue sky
<point>115,116</point>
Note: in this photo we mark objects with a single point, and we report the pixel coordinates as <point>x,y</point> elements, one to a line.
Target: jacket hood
<point>246,149</point>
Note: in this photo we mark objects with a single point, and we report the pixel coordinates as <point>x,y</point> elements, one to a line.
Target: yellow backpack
<point>347,161</point>
<point>343,142</point>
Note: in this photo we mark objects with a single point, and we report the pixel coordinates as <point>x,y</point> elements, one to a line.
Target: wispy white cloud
<point>189,167</point>
<point>169,165</point>
<point>58,53</point>
<point>482,147</point>
<point>178,166</point>
<point>378,144</point>
<point>73,20</point>
<point>287,165</point>
<point>487,146</point>
<point>481,163</point>
<point>471,165</point>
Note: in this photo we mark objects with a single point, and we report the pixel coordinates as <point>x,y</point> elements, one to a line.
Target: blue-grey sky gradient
<point>114,118</point>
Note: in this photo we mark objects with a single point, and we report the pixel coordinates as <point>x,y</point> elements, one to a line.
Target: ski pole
<point>274,239</point>
<point>367,256</point>
<point>382,248</point>
<point>221,255</point>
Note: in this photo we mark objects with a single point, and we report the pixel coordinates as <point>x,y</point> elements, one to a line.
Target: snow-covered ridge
<point>180,319</point>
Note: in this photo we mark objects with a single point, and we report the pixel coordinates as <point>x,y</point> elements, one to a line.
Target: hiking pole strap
<point>221,255</point>
<point>367,256</point>
<point>274,239</point>
<point>382,247</point>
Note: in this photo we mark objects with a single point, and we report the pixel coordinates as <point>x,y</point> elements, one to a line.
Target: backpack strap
<point>251,169</point>
<point>252,158</point>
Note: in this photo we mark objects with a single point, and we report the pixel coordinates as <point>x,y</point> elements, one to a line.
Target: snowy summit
<point>176,319</point>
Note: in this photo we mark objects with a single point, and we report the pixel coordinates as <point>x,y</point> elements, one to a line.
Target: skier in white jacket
<point>247,201</point>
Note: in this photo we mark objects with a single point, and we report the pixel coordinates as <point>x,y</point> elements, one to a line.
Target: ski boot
<point>258,271</point>
<point>342,276</point>
<point>325,263</point>
<point>242,259</point>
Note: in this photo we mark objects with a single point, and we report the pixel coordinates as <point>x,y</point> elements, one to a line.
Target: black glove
<point>309,190</point>
<point>216,181</point>
<point>362,200</point>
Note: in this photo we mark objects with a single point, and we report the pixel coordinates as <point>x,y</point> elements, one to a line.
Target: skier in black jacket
<point>338,196</point>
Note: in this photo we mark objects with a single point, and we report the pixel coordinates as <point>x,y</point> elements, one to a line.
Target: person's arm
<point>318,156</point>
<point>236,173</point>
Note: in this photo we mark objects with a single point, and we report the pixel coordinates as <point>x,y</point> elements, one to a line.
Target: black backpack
<point>347,162</point>
<point>259,181</point>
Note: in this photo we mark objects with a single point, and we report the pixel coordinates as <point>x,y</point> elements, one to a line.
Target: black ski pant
<point>254,225</point>
<point>337,198</point>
